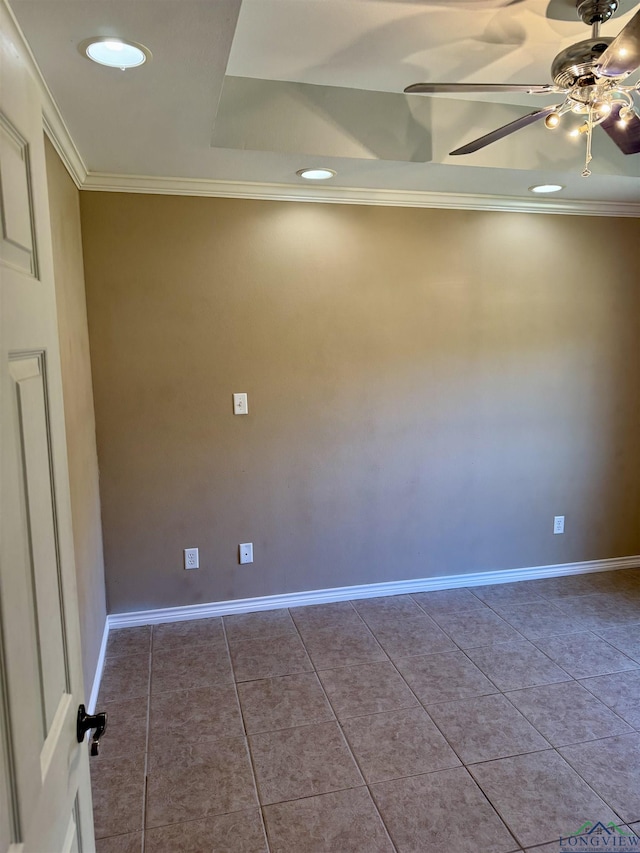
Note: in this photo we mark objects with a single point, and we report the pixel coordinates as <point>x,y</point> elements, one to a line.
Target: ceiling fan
<point>589,74</point>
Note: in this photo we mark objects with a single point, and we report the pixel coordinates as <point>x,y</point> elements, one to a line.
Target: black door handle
<point>86,722</point>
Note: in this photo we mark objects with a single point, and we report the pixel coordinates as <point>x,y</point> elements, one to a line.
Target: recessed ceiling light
<point>316,174</point>
<point>115,52</point>
<point>546,188</point>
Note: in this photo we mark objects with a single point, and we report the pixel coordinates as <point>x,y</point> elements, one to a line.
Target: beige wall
<point>427,389</point>
<point>64,205</point>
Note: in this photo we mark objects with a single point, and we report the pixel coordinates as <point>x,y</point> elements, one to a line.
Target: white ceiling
<point>253,90</point>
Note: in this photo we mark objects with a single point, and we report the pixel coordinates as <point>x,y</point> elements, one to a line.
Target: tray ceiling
<point>249,92</point>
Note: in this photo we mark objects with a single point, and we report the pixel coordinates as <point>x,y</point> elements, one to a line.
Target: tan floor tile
<point>342,645</point>
<point>620,692</point>
<point>626,640</point>
<point>185,667</point>
<point>599,612</point>
<point>199,780</point>
<point>507,593</point>
<point>201,790</point>
<point>476,628</point>
<point>129,843</point>
<point>567,713</point>
<point>188,716</point>
<point>325,615</point>
<point>254,659</point>
<point>398,743</point>
<point>193,632</point>
<point>366,689</point>
<point>129,641</point>
<point>583,655</point>
<point>284,702</point>
<point>485,727</point>
<point>258,626</point>
<point>126,732</point>
<point>440,811</point>
<point>515,664</point>
<point>341,822</point>
<point>448,601</point>
<point>302,762</point>
<point>386,607</point>
<point>118,794</point>
<point>539,796</point>
<point>443,677</point>
<point>620,579</point>
<point>612,768</point>
<point>240,832</point>
<point>539,620</point>
<point>410,635</point>
<point>124,677</point>
<point>569,585</point>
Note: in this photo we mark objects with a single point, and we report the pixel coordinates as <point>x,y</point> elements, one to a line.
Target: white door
<point>45,795</point>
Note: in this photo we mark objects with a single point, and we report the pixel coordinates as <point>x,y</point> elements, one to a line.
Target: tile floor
<point>483,720</point>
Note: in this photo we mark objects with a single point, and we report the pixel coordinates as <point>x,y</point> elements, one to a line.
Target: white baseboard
<point>374,590</point>
<point>95,688</point>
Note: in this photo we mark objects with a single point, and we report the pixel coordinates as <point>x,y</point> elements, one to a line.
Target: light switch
<point>240,405</point>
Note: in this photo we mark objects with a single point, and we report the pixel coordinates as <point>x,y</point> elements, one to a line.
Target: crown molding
<point>60,136</point>
<point>105,182</point>
<point>54,124</point>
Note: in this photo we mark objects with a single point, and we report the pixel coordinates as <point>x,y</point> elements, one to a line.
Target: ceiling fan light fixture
<point>602,108</point>
<point>316,174</point>
<point>115,52</point>
<point>546,188</point>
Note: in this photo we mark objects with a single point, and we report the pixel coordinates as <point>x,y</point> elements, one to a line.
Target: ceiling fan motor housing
<point>574,65</point>
<point>596,11</point>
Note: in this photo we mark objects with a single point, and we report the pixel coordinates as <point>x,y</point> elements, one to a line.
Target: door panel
<point>45,794</point>
<point>17,247</point>
<point>28,374</point>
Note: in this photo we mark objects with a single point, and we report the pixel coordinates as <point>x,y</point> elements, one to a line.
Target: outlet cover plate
<point>191,558</point>
<point>245,553</point>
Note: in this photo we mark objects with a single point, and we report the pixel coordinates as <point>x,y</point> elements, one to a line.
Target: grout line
<point>450,745</point>
<point>337,720</point>
<point>254,775</point>
<point>146,745</point>
<point>350,750</point>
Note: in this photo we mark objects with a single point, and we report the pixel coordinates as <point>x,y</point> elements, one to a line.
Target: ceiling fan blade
<point>622,57</point>
<point>501,132</point>
<point>437,88</point>
<point>626,135</point>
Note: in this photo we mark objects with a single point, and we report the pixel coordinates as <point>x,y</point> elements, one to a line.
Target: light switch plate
<point>240,404</point>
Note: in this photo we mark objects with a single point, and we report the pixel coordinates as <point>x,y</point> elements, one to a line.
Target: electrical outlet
<point>245,553</point>
<point>558,524</point>
<point>191,558</point>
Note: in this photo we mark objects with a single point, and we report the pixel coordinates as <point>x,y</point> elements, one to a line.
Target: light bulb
<point>552,120</point>
<point>626,114</point>
<point>603,108</point>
